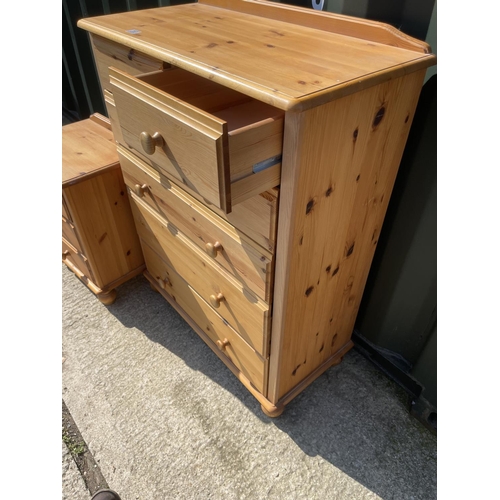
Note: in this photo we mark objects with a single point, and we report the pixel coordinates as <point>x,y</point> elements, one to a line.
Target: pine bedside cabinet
<point>259,143</point>
<point>99,240</point>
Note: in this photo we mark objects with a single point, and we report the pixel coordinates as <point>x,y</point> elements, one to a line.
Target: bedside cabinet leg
<point>107,298</point>
<point>273,412</point>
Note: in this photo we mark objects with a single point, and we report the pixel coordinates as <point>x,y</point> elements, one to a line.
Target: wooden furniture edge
<point>266,405</point>
<point>364,29</point>
<point>131,274</point>
<point>106,123</point>
<point>90,175</point>
<point>335,359</point>
<point>101,120</point>
<point>423,58</point>
<point>107,294</point>
<point>358,84</point>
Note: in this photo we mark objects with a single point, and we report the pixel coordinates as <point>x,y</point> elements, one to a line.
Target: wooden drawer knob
<point>215,300</point>
<point>150,142</point>
<point>139,190</point>
<point>213,248</point>
<point>164,283</point>
<point>65,254</point>
<point>222,344</point>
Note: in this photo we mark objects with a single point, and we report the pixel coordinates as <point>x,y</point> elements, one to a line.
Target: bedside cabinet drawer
<point>69,234</point>
<point>243,356</point>
<point>222,144</point>
<point>73,259</point>
<point>244,311</point>
<point>249,263</point>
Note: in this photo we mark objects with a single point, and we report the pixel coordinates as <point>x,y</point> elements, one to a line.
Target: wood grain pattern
<point>364,29</point>
<point>255,218</point>
<point>113,117</point>
<point>245,312</point>
<point>246,359</point>
<point>101,213</point>
<point>248,262</point>
<point>202,150</point>
<point>75,259</point>
<point>108,53</point>
<point>69,233</point>
<point>87,148</point>
<point>195,152</point>
<point>336,184</point>
<point>281,63</point>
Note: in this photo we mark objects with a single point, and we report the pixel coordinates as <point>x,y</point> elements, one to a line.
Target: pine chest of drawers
<point>259,143</point>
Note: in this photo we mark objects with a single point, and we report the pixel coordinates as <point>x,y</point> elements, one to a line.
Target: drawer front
<point>247,262</point>
<point>256,218</point>
<point>69,234</point>
<point>108,53</point>
<point>193,146</point>
<point>72,258</point>
<point>246,359</point>
<point>244,311</point>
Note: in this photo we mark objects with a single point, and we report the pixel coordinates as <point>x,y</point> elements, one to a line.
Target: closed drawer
<point>69,234</point>
<point>73,259</point>
<point>243,356</point>
<point>256,218</point>
<point>108,53</point>
<point>249,263</point>
<point>221,144</point>
<point>243,310</point>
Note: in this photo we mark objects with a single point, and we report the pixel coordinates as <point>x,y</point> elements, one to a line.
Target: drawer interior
<point>235,108</point>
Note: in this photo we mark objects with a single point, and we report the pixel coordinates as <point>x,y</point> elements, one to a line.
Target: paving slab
<point>165,419</point>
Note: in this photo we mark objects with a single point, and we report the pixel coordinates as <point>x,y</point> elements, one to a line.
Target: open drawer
<point>220,143</point>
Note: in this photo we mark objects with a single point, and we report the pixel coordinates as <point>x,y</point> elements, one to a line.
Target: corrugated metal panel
<point>81,93</point>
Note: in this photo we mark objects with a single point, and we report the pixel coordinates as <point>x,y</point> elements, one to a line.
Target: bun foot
<point>273,412</point>
<point>107,298</point>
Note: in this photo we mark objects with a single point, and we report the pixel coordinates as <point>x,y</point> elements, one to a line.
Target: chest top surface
<point>282,62</point>
<point>87,147</point>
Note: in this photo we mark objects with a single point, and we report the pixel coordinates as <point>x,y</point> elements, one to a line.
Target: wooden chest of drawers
<point>99,240</point>
<point>259,143</point>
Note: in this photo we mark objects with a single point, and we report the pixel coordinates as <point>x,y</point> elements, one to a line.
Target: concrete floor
<point>165,419</point>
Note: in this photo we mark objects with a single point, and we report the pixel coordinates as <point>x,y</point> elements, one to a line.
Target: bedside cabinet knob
<point>213,248</point>
<point>215,300</point>
<point>164,283</point>
<point>139,190</point>
<point>150,142</point>
<point>222,344</point>
<point>65,254</point>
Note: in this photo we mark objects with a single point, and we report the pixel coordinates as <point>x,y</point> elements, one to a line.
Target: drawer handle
<point>140,191</point>
<point>164,283</point>
<point>213,248</point>
<point>150,142</point>
<point>215,300</point>
<point>222,344</point>
<point>65,254</point>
